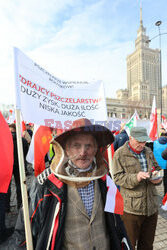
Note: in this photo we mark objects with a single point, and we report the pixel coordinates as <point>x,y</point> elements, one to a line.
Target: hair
<point>12,125</point>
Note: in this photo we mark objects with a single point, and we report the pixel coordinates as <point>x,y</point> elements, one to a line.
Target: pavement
<point>160,241</point>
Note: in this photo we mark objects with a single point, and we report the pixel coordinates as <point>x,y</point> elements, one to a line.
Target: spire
<point>141,21</point>
<point>141,33</point>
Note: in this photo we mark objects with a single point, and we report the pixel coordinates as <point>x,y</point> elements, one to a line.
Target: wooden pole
<point>29,244</point>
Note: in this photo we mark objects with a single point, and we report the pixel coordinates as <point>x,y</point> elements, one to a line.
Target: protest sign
<point>46,100</point>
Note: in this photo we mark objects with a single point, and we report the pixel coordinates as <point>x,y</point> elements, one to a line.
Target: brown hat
<point>102,134</point>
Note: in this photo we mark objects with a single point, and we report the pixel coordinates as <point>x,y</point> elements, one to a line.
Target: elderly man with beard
<point>67,205</point>
<point>133,166</point>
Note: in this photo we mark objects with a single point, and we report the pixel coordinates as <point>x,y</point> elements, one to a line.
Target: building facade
<point>124,109</point>
<point>164,101</point>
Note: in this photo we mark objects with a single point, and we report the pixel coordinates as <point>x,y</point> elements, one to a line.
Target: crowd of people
<point>67,202</point>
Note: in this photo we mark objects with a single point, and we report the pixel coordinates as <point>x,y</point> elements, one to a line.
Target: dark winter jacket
<point>164,154</point>
<point>43,201</point>
<point>25,148</point>
<point>120,139</point>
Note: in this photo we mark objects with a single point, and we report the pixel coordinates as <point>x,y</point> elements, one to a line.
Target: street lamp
<point>158,23</point>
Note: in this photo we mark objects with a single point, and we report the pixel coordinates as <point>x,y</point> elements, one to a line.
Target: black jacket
<point>43,200</point>
<point>164,154</point>
<point>120,139</point>
<point>25,148</point>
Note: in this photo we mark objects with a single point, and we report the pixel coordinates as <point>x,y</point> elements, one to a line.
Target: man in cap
<point>67,205</point>
<point>133,164</point>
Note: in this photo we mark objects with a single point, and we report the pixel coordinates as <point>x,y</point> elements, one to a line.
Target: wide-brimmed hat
<point>102,134</point>
<point>140,134</point>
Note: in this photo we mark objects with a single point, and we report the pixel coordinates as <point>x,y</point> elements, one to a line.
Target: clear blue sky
<point>77,39</point>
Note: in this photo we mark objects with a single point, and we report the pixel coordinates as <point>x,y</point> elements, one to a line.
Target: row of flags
<point>131,123</point>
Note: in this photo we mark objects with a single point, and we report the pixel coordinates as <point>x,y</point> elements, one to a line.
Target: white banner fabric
<point>46,100</point>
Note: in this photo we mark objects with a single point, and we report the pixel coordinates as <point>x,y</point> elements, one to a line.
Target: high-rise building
<point>143,70</point>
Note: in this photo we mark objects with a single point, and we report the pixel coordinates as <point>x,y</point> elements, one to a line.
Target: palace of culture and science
<point>143,82</point>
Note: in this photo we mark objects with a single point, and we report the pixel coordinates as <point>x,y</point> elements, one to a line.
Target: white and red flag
<point>164,202</point>
<point>11,118</point>
<point>153,122</point>
<point>164,122</point>
<point>23,126</point>
<point>114,200</point>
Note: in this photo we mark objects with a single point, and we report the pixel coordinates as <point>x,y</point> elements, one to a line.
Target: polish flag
<point>114,201</point>
<point>153,122</point>
<point>11,118</point>
<point>6,155</point>
<point>164,122</point>
<point>39,147</point>
<point>111,148</point>
<point>164,202</point>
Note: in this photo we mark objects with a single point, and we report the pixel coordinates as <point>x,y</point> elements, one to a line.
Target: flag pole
<point>110,160</point>
<point>28,234</point>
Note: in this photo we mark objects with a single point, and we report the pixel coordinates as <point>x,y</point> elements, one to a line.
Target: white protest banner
<point>46,100</point>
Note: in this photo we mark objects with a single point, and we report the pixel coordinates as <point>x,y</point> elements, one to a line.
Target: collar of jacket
<point>134,150</point>
<point>126,151</point>
<point>55,185</point>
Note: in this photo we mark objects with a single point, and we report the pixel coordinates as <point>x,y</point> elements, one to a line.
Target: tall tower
<point>143,70</point>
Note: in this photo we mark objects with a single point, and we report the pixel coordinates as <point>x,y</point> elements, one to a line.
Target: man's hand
<point>142,175</point>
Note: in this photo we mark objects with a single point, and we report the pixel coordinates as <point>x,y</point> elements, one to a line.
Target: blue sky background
<point>77,39</point>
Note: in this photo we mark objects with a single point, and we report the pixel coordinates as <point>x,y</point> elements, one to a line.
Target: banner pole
<point>110,160</point>
<point>29,244</point>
